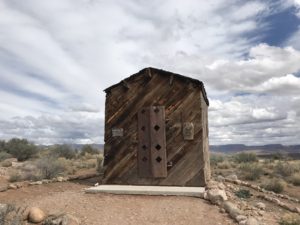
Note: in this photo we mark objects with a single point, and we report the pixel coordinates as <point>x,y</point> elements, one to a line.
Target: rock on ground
<point>252,221</point>
<point>261,205</point>
<point>232,177</point>
<point>232,209</point>
<point>216,196</point>
<point>241,218</point>
<point>36,215</point>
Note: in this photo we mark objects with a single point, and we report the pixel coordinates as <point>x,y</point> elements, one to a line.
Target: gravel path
<point>108,209</point>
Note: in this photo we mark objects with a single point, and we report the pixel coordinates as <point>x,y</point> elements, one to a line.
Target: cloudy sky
<point>57,56</point>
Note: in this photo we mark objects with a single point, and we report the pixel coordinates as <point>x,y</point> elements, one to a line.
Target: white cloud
<point>266,66</point>
<point>57,56</point>
<point>297,5</point>
<point>288,84</point>
<point>59,128</point>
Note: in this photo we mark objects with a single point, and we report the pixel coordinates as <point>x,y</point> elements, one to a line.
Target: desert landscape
<point>246,188</point>
<point>140,112</point>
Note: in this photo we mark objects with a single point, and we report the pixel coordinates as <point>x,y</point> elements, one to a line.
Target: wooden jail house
<point>156,131</point>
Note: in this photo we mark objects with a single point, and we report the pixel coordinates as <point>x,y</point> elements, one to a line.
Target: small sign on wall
<point>188,131</point>
<point>117,132</point>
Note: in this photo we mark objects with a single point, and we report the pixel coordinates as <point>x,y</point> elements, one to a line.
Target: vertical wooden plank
<point>144,159</point>
<point>158,142</point>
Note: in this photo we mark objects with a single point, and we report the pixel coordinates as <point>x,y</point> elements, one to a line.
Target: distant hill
<point>274,148</point>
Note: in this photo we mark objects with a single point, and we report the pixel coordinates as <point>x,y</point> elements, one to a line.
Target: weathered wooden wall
<point>183,100</point>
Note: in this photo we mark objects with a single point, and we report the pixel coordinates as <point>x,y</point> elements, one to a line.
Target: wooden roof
<point>151,70</point>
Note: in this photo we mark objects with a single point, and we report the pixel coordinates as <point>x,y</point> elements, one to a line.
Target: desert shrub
<point>243,193</point>
<point>28,167</point>
<point>85,164</point>
<point>88,149</point>
<point>99,165</point>
<point>224,165</point>
<point>216,159</point>
<point>245,157</point>
<point>4,155</point>
<point>2,146</point>
<point>15,177</point>
<point>63,151</point>
<point>21,149</point>
<point>6,164</point>
<point>269,165</point>
<point>49,167</point>
<point>285,169</point>
<point>251,171</point>
<point>88,156</point>
<point>290,219</point>
<point>32,176</point>
<point>295,179</point>
<point>275,185</point>
<point>11,215</point>
<point>277,156</point>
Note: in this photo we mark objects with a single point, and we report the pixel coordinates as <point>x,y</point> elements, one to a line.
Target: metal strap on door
<point>152,156</point>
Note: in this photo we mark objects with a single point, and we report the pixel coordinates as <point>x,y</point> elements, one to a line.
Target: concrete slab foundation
<point>147,190</point>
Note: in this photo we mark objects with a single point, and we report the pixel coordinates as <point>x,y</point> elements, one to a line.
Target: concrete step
<point>147,190</point>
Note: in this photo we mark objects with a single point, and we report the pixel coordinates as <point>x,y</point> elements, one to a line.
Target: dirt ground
<point>108,209</point>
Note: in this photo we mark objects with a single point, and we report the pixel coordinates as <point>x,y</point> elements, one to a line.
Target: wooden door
<point>152,156</point>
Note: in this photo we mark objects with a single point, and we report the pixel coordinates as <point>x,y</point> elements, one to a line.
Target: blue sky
<point>57,56</point>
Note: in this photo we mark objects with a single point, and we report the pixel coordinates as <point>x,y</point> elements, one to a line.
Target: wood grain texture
<point>158,142</point>
<point>144,143</point>
<point>187,160</point>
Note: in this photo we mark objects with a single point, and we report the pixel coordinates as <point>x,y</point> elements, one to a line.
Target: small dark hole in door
<point>156,110</point>
<point>144,147</point>
<point>158,147</point>
<point>143,128</point>
<point>144,159</point>
<point>158,159</point>
<point>156,127</point>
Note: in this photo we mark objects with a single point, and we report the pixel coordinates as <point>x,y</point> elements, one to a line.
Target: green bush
<point>88,149</point>
<point>277,156</point>
<point>216,159</point>
<point>251,171</point>
<point>245,157</point>
<point>49,167</point>
<point>21,149</point>
<point>275,185</point>
<point>64,151</point>
<point>4,155</point>
<point>243,193</point>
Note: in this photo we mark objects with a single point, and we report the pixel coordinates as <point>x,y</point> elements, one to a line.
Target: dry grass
<point>290,219</point>
<point>224,165</point>
<point>275,185</point>
<point>15,177</point>
<point>251,171</point>
<point>295,179</point>
<point>6,164</point>
<point>286,169</point>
